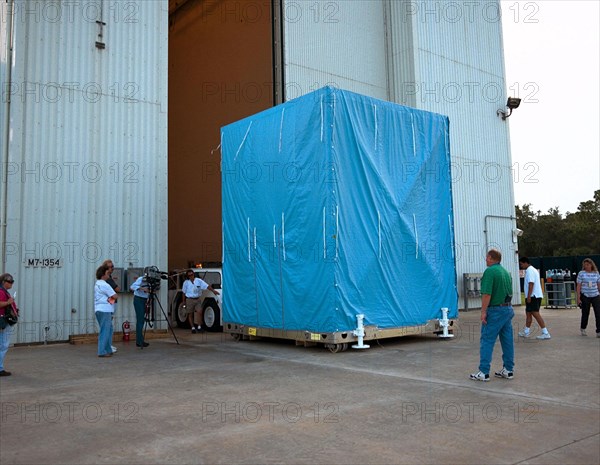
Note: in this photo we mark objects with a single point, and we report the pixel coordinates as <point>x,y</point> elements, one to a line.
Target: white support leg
<point>360,333</point>
<point>445,324</point>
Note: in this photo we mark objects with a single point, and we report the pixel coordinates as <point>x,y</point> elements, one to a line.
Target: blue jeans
<point>499,324</point>
<point>139,303</point>
<point>5,335</point>
<point>106,332</point>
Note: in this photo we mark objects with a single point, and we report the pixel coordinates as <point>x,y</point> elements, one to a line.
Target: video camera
<point>152,276</point>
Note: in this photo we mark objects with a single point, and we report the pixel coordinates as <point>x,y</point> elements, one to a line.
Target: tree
<point>550,234</point>
<point>584,226</point>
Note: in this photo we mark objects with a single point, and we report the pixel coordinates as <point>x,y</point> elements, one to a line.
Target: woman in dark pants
<point>588,294</point>
<point>140,293</point>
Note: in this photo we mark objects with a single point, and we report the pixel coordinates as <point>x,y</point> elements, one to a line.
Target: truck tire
<point>180,315</point>
<point>212,316</point>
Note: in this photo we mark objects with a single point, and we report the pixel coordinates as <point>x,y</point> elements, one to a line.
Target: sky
<point>551,50</point>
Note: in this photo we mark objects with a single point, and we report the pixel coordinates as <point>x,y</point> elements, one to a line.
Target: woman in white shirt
<point>104,307</point>
<point>588,294</point>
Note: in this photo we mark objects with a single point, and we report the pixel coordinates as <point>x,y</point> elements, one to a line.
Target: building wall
<point>341,44</point>
<point>87,156</point>
<point>445,57</point>
<point>459,71</point>
<point>84,157</point>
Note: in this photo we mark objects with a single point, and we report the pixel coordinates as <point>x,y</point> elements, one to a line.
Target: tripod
<point>149,316</point>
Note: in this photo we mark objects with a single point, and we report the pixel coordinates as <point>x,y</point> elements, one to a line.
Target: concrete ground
<point>213,400</point>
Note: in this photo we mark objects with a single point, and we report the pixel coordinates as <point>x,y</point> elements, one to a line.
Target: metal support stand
<point>360,333</point>
<point>445,324</point>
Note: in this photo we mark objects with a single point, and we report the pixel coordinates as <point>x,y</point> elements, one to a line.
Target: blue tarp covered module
<point>336,204</point>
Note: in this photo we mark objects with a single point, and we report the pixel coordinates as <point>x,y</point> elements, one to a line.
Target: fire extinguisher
<point>126,330</point>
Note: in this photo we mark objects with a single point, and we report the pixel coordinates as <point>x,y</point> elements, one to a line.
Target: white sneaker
<point>524,333</point>
<point>114,349</point>
<point>583,333</point>
<point>504,373</point>
<point>479,376</point>
<point>544,336</point>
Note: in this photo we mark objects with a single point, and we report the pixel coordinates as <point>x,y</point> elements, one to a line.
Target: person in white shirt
<point>533,296</point>
<point>588,294</point>
<point>104,307</point>
<point>192,302</point>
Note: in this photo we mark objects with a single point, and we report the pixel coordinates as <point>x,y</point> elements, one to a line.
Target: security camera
<point>518,232</point>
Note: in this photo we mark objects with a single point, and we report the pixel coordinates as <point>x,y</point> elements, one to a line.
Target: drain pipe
<point>4,157</point>
<point>360,333</point>
<point>445,324</point>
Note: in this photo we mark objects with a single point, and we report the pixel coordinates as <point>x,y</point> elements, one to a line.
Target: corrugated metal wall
<point>87,157</point>
<point>341,44</point>
<point>445,57</point>
<point>459,72</point>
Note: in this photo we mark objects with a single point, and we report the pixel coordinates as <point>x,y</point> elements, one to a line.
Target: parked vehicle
<point>211,303</point>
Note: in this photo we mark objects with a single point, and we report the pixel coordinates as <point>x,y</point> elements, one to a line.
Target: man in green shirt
<point>496,318</point>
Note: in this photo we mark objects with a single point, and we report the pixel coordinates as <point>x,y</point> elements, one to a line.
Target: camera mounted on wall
<point>153,276</point>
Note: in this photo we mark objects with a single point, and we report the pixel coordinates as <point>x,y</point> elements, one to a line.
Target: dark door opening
<point>222,67</point>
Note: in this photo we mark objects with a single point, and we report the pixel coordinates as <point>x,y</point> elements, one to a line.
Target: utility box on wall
<point>337,204</point>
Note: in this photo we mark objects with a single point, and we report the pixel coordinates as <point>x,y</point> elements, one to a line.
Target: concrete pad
<point>213,400</point>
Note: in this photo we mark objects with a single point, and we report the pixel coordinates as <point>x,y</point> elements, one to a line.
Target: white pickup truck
<point>211,303</point>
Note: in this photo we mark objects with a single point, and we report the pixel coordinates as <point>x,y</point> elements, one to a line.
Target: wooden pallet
<point>117,337</point>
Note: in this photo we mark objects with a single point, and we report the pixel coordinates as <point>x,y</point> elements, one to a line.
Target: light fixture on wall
<point>511,104</point>
<point>517,233</point>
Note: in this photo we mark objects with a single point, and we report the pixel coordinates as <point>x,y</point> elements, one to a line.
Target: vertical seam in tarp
<point>281,280</point>
<point>379,231</point>
<point>281,129</point>
<point>324,235</point>
<point>451,234</point>
<point>337,230</point>
<point>376,127</point>
<point>283,235</point>
<point>243,140</point>
<point>274,237</point>
<point>322,122</point>
<point>416,236</point>
<point>412,124</point>
<point>248,224</point>
<point>333,118</point>
<point>255,274</point>
<point>446,147</point>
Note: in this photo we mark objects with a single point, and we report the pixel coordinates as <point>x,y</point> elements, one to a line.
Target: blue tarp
<point>336,204</point>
